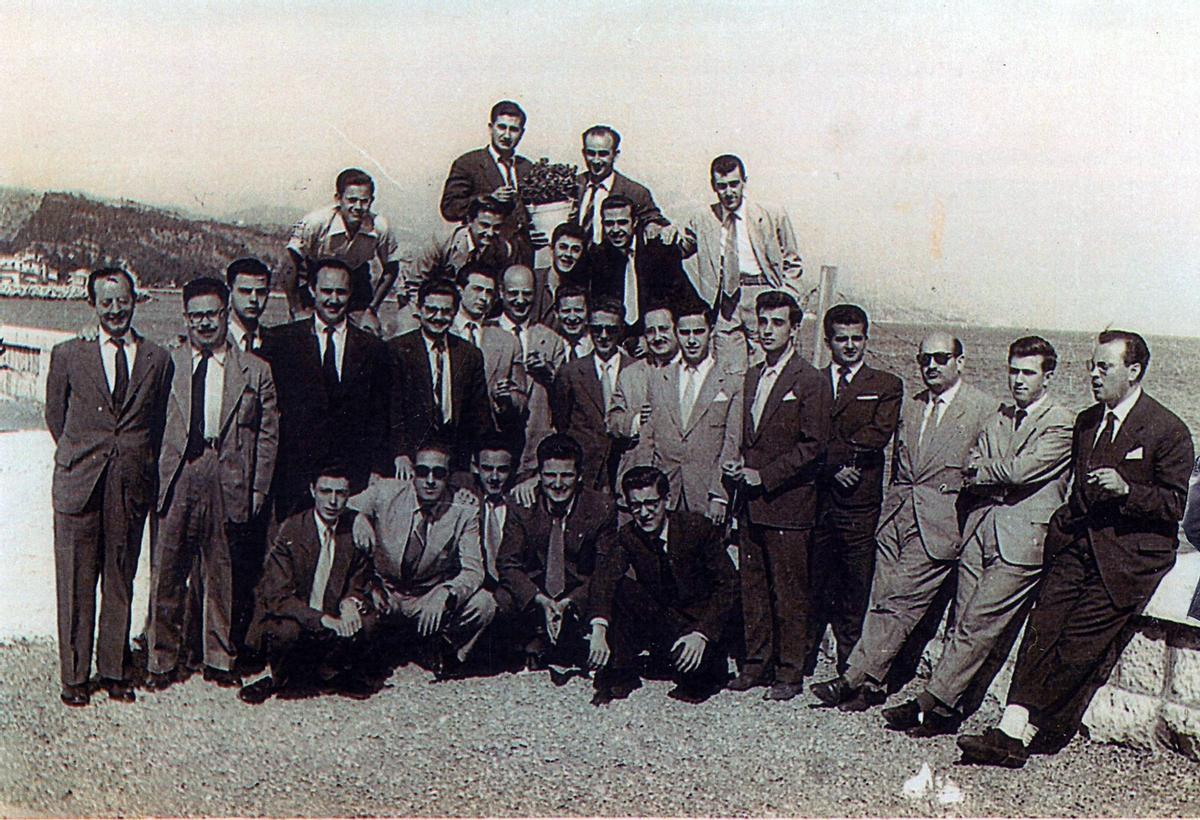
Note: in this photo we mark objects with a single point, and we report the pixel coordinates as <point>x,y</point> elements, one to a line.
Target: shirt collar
<point>337,225</point>
<point>605,183</point>
<point>218,353</point>
<point>778,367</point>
<point>947,396</point>
<point>429,342</point>
<point>322,529</point>
<point>496,158</point>
<point>508,324</point>
<point>570,504</point>
<point>462,319</point>
<point>130,337</point>
<point>703,367</point>
<point>601,365</point>
<point>1031,409</point>
<point>854,368</point>
<point>240,332</point>
<point>1121,411</point>
<point>319,327</point>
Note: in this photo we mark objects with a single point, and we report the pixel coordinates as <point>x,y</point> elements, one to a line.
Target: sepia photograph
<point>606,408</point>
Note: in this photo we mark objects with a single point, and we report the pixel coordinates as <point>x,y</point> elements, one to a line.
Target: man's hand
<point>364,534</point>
<point>690,650</point>
<point>553,613</point>
<point>430,610</point>
<point>716,511</point>
<point>848,477</point>
<point>336,625</point>
<point>644,415</point>
<point>537,366</point>
<point>404,468</point>
<point>351,617</point>
<point>505,193</point>
<point>598,651</point>
<point>654,231</point>
<point>259,499</point>
<point>537,240</point>
<point>502,394</point>
<point>751,477</point>
<point>1108,481</point>
<point>525,493</point>
<point>465,498</point>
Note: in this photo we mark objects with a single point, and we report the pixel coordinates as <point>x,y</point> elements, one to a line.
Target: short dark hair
<point>494,442</point>
<point>772,299</point>
<point>437,287</point>
<point>608,304</point>
<point>475,268</point>
<point>331,469</point>
<point>507,108</point>
<point>571,230</point>
<point>354,176</point>
<point>329,262</point>
<point>559,446</point>
<point>601,131</point>
<point>434,444</point>
<point>569,290</point>
<point>205,286</point>
<point>846,315</point>
<point>486,203</point>
<point>615,202</point>
<point>1035,346</point>
<point>246,266</point>
<point>727,164</point>
<point>109,273</point>
<point>1136,349</point>
<point>658,304</point>
<point>692,307</point>
<point>644,477</point>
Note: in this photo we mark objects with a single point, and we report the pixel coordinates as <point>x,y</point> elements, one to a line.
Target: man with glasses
<point>663,583</point>
<point>584,391</point>
<point>438,383</point>
<point>919,537</point>
<point>218,456</point>
<point>1107,549</point>
<point>428,561</point>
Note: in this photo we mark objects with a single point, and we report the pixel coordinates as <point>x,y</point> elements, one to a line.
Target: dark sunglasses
<point>941,358</point>
<point>600,329</point>
<point>425,471</point>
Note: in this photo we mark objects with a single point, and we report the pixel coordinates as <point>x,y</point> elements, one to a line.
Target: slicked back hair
<point>354,176</point>
<point>846,315</point>
<point>246,266</point>
<point>643,478</point>
<point>1035,346</point>
<point>507,108</point>
<point>205,286</point>
<point>601,131</point>
<point>109,273</point>
<point>1136,349</point>
<point>727,164</point>
<point>559,446</point>
<point>772,299</point>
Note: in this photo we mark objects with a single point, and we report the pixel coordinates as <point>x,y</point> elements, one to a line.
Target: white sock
<point>1030,732</point>
<point>1015,722</point>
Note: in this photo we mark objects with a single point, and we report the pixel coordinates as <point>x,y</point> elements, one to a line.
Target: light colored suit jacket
<point>691,453</point>
<point>771,237</point>
<point>1022,479</point>
<point>926,479</point>
<point>538,421</point>
<point>624,415</point>
<point>249,435</point>
<point>500,361</point>
<point>451,554</point>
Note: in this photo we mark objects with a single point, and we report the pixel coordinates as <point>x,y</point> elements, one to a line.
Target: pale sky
<point>1038,165</point>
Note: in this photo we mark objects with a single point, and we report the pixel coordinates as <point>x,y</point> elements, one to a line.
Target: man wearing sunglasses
<point>919,538</point>
<point>427,558</point>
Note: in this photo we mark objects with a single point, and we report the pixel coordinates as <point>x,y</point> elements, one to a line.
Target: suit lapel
<point>1130,431</point>
<point>1017,438</point>
<point>712,384</point>
<point>753,376</point>
<point>236,381</point>
<point>342,551</point>
<point>857,386</point>
<point>95,369</point>
<point>937,439</point>
<point>591,385</point>
<point>913,412</point>
<point>181,385</point>
<point>783,385</point>
<point>140,365</point>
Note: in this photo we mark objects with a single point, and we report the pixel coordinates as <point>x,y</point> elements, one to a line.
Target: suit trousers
<point>905,589</point>
<point>193,524</point>
<point>248,551</point>
<point>295,653</point>
<point>461,627</point>
<point>992,595</point>
<point>841,566</point>
<point>102,541</point>
<point>775,604</point>
<point>1072,639</point>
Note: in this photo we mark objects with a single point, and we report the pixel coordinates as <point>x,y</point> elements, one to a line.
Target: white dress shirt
<point>598,194</point>
<point>519,332</point>
<point>835,375</point>
<point>316,598</point>
<point>108,355</point>
<point>691,379</point>
<point>632,312</point>
<point>940,403</point>
<point>1121,411</point>
<point>461,327</point>
<point>504,169</point>
<point>339,342</point>
<point>766,384</point>
<point>239,334</point>
<point>214,388</point>
<point>747,261</point>
<point>431,352</point>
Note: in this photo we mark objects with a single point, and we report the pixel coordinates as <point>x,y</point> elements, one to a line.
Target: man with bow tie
<point>1107,548</point>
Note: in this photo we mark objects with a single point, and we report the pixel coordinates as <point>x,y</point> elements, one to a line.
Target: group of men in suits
<point>617,452</point>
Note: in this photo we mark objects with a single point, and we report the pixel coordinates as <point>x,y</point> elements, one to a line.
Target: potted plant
<point>549,190</point>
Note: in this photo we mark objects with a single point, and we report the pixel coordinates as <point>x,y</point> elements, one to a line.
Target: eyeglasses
<point>941,357</point>
<point>425,471</point>
<point>600,330</point>
<point>645,503</point>
<point>198,316</point>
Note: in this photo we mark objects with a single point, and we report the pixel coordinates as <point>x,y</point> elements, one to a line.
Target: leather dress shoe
<point>993,748</point>
<point>862,700</point>
<point>693,693</point>
<point>934,724</point>
<point>258,692</point>
<point>783,691</point>
<point>833,692</point>
<point>903,717</point>
<point>119,690</point>
<point>222,677</point>
<point>615,687</point>
<point>745,682</point>
<point>75,695</point>
<point>158,681</point>
<point>353,686</point>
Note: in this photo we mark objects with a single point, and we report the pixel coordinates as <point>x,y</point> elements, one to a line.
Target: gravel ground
<point>516,745</point>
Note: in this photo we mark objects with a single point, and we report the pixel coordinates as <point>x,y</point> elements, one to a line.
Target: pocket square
<point>720,397</point>
<point>868,397</point>
<point>789,396</point>
<point>1135,454</point>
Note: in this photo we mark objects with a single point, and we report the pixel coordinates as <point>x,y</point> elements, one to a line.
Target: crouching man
<point>313,611</point>
<point>665,583</point>
<point>427,559</point>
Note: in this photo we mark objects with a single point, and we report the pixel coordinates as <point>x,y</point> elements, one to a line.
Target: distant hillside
<point>16,207</point>
<point>162,247</point>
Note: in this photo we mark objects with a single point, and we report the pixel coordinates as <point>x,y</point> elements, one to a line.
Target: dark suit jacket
<point>287,578</point>
<point>412,395</point>
<point>94,435</point>
<point>577,408</point>
<point>659,269</point>
<point>348,422</point>
<point>1133,538</point>
<point>644,209</point>
<point>475,173</point>
<point>522,559</point>
<point>864,419</point>
<point>788,448</point>
<point>705,584</point>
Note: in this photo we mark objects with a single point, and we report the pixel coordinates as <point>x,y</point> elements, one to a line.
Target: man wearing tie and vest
<point>218,457</point>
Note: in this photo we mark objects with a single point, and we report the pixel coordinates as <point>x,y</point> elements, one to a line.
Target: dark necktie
<point>1019,417</point>
<point>843,379</point>
<point>473,329</point>
<point>556,560</point>
<point>1102,452</point>
<point>585,214</point>
<point>415,547</point>
<point>121,380</point>
<point>508,173</point>
<point>195,444</point>
<point>666,576</point>
<point>439,412</point>
<point>248,341</point>
<point>329,361</point>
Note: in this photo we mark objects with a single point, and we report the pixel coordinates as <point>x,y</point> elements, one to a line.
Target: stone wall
<point>25,361</point>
